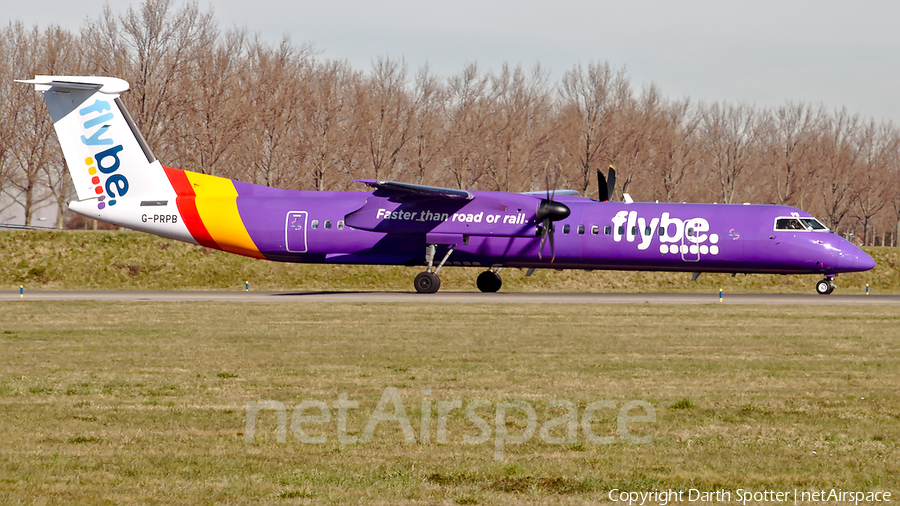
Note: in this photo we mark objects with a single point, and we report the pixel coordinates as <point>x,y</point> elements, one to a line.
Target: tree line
<point>225,102</point>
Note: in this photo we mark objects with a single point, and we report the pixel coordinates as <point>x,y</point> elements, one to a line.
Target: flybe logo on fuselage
<point>676,236</point>
<point>105,162</point>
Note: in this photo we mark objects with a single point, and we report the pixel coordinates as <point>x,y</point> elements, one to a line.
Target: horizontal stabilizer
<point>107,85</point>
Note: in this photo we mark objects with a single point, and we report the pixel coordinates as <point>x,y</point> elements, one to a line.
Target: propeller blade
<point>547,180</point>
<point>612,182</point>
<point>545,229</point>
<point>550,210</point>
<point>552,249</point>
<point>602,189</point>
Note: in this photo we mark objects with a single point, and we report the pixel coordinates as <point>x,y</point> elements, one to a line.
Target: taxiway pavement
<point>455,297</point>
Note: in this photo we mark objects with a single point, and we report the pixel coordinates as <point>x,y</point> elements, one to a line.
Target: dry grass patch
<point>112,260</point>
<point>146,402</point>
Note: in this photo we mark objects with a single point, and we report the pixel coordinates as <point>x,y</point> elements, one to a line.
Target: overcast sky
<point>842,54</point>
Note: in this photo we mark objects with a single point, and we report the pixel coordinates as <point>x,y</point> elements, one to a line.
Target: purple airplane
<point>118,180</point>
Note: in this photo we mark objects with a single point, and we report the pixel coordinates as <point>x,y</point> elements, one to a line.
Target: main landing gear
<point>429,282</point>
<point>489,281</point>
<point>825,287</point>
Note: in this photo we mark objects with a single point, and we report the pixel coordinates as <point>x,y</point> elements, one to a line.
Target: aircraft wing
<point>393,189</point>
<point>555,193</point>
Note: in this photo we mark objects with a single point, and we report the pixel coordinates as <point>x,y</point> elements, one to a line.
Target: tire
<point>824,287</point>
<point>427,282</point>
<point>489,282</point>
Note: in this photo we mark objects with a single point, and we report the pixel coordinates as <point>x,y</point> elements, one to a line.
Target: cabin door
<point>295,232</point>
<point>690,247</point>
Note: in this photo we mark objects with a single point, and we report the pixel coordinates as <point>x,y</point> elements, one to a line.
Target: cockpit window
<point>813,224</point>
<point>802,224</point>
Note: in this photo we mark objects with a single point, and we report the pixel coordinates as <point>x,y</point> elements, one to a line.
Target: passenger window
<point>595,229</point>
<point>580,229</point>
<point>647,231</point>
<point>690,232</point>
<point>340,225</point>
<point>607,230</point>
<point>565,229</point>
<point>660,231</point>
<point>621,229</point>
<point>327,224</point>
<point>315,224</point>
<point>633,230</point>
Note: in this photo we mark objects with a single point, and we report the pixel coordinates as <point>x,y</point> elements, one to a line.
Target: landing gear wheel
<point>427,282</point>
<point>825,287</point>
<point>489,281</point>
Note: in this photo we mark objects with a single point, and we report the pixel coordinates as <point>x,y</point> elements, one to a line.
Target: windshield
<point>813,224</point>
<point>804,224</point>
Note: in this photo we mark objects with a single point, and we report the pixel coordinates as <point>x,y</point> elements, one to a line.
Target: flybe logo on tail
<point>103,165</point>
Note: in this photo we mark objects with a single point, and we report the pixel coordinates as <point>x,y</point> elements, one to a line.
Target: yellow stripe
<point>217,206</point>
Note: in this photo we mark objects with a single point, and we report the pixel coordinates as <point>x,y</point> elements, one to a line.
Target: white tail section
<point>107,156</point>
<point>116,177</point>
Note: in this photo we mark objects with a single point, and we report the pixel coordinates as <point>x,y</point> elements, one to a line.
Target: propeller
<point>606,189</point>
<point>549,211</point>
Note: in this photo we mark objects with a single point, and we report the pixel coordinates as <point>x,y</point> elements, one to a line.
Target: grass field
<point>111,260</point>
<point>147,402</point>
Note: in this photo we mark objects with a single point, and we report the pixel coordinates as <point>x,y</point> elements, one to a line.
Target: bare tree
<point>31,150</point>
<point>586,109</point>
<point>519,130</point>
<point>152,47</point>
<point>468,113</point>
<point>876,144</point>
<point>427,138</point>
<point>838,163</point>
<point>676,152</point>
<point>275,142</point>
<point>8,108</point>
<point>730,134</point>
<point>218,105</point>
<point>62,56</point>
<point>787,144</point>
<point>384,116</point>
<point>326,120</point>
<point>638,125</point>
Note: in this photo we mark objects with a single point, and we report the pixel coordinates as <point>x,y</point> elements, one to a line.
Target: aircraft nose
<point>864,261</point>
<point>851,258</point>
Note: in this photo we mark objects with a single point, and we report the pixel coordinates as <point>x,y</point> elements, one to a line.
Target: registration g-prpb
<point>159,218</point>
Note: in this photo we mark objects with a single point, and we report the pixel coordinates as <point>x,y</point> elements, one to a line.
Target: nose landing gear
<point>825,287</point>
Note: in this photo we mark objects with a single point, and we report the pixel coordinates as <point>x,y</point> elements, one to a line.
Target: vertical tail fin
<point>116,176</point>
<point>108,158</point>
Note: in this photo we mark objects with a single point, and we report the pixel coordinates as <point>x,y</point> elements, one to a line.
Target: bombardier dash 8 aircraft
<point>118,180</point>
